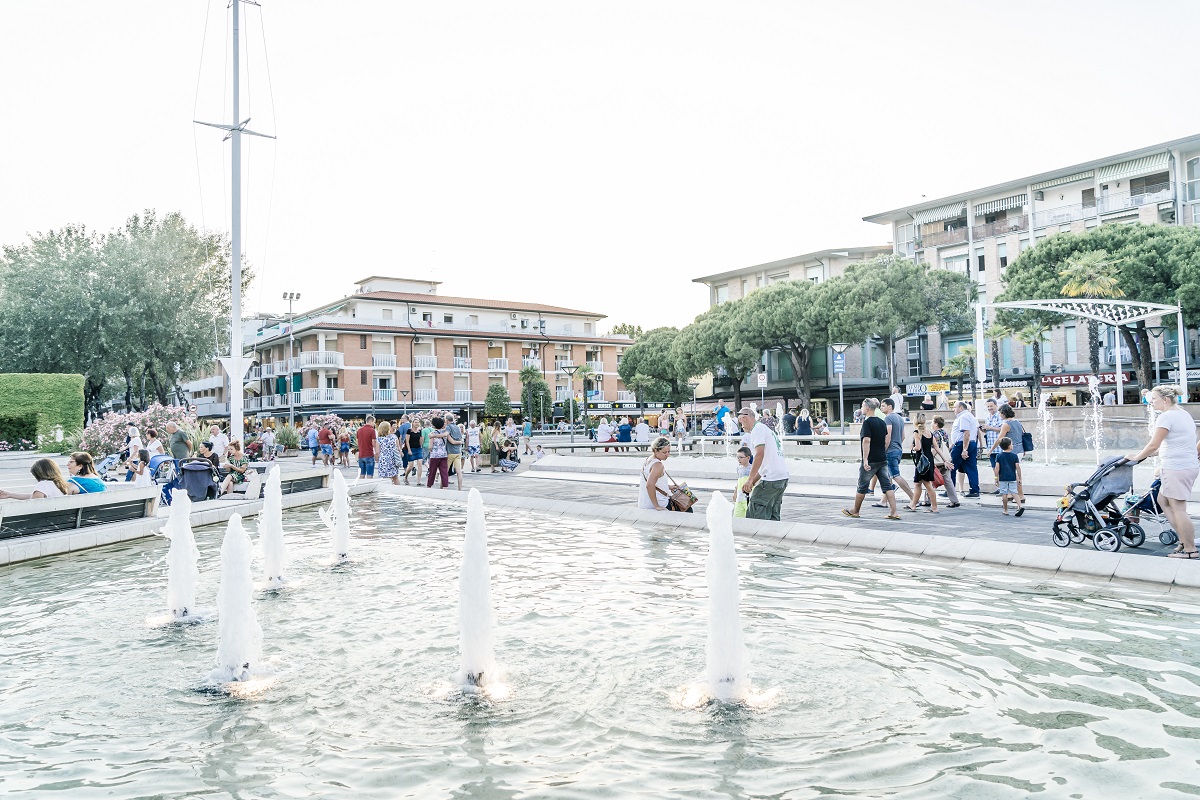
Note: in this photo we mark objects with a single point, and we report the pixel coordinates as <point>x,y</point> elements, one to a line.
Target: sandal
<point>954,505</point>
<point>878,505</point>
<point>892,516</point>
<point>1020,511</point>
<point>910,509</point>
<point>1189,554</point>
<point>847,513</point>
<point>1178,548</point>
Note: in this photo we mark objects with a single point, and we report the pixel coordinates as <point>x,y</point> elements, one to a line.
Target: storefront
<point>1074,389</point>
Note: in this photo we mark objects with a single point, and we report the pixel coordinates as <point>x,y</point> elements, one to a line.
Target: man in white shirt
<point>897,400</point>
<point>268,444</point>
<point>964,447</point>
<point>220,442</point>
<point>641,431</point>
<point>769,472</point>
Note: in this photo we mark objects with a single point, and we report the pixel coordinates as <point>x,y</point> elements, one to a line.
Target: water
<point>1095,417</point>
<point>478,662</point>
<point>1044,428</point>
<point>726,651</point>
<point>897,677</point>
<point>337,518</point>
<point>182,571</point>
<point>239,636</point>
<point>270,533</point>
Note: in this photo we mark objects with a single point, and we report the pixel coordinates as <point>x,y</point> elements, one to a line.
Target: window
<point>954,345</point>
<point>1150,183</point>
<point>462,351</point>
<point>1089,198</point>
<point>758,282</point>
<point>906,235</point>
<point>448,319</point>
<point>331,383</point>
<point>815,274</point>
<point>915,357</point>
<point>956,264</point>
<point>427,318</point>
<point>745,288</point>
<point>1002,252</point>
<point>1005,354</point>
<point>778,277</point>
<point>362,341</point>
<point>722,294</point>
<point>1193,179</point>
<point>387,313</point>
<point>980,261</point>
<point>1072,352</point>
<point>362,377</point>
<point>567,327</point>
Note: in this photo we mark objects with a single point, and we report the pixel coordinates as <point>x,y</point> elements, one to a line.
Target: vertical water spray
<point>1095,417</point>
<point>337,518</point>
<point>478,667</point>
<point>1044,420</point>
<point>270,532</point>
<point>182,571</point>
<point>726,665</point>
<point>239,645</point>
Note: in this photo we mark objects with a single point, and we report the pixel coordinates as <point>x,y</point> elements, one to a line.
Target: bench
<point>587,444</point>
<point>49,514</point>
<point>290,481</point>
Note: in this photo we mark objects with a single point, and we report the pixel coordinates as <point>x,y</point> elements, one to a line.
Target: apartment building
<point>396,343</point>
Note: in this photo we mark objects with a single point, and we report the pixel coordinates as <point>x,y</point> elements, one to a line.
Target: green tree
<point>792,316</point>
<point>1033,335</point>
<point>651,357</point>
<point>995,333</point>
<point>962,366</point>
<point>1091,274</point>
<point>647,389</point>
<point>715,343</point>
<point>496,403</point>
<point>536,399</point>
<point>627,329</point>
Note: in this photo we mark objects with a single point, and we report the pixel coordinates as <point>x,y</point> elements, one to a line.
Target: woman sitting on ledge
<point>84,478</point>
<point>50,483</point>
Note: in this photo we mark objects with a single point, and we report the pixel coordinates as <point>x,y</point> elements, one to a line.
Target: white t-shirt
<point>965,429</point>
<point>219,442</point>
<point>154,447</point>
<point>773,467</point>
<point>604,432</point>
<point>1178,450</point>
<point>473,437</point>
<point>47,488</point>
<point>145,478</point>
<point>898,401</point>
<point>642,432</point>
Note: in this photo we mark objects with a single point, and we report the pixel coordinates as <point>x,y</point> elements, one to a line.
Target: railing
<point>561,395</point>
<point>1000,227</point>
<point>383,395</point>
<point>268,370</point>
<point>596,366</point>
<point>252,403</point>
<point>322,395</point>
<point>401,321</point>
<point>462,395</point>
<point>315,359</point>
<point>596,397</point>
<point>1062,215</point>
<point>956,236</point>
<point>626,397</point>
<point>1120,201</point>
<point>564,362</point>
<point>497,363</point>
<point>462,363</point>
<point>204,409</point>
<point>425,362</point>
<point>282,367</point>
<point>254,374</point>
<point>529,361</point>
<point>269,400</point>
<point>426,395</point>
<point>383,362</point>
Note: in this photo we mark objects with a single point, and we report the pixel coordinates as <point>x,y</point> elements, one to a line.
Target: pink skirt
<point>1177,483</point>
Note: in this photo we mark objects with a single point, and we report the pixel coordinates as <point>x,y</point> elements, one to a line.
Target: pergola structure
<point>1110,312</point>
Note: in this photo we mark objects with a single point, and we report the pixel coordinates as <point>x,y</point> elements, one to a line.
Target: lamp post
<point>570,371</point>
<point>840,349</point>
<point>291,297</point>
<point>404,397</point>
<point>1156,331</point>
<point>693,386</point>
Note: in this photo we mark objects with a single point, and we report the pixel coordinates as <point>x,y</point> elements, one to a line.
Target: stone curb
<point>1165,573</point>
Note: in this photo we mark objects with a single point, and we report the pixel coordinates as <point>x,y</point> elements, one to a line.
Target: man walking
<point>897,400</point>
<point>895,448</point>
<point>178,444</point>
<point>964,450</point>
<point>876,437</point>
<point>367,447</point>
<point>454,446</point>
<point>991,430</point>
<point>769,473</point>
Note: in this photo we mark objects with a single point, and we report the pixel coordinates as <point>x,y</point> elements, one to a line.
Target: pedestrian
<point>897,399</point>
<point>604,433</point>
<point>325,440</point>
<point>768,419</point>
<point>439,463</point>
<point>1012,427</point>
<point>942,460</point>
<point>943,402</point>
<point>722,410</point>
<point>527,435</point>
<point>923,476</point>
<point>789,422</point>
<point>999,397</point>
<point>344,447</point>
<point>641,432</point>
<point>768,473</point>
<point>153,445</point>
<point>426,434</point>
<point>178,442</point>
<point>219,441</point>
<point>624,434</point>
<point>1174,440</point>
<point>510,429</point>
<point>473,444</point>
<point>964,450</point>
<point>874,440</point>
<point>454,447</point>
<point>386,446</point>
<point>367,440</point>
<point>414,453</point>
<point>991,433</point>
<point>311,441</point>
<point>680,426</point>
<point>895,450</point>
<point>804,426</point>
<point>1008,475</point>
<point>1110,399</point>
<point>267,441</point>
<point>741,497</point>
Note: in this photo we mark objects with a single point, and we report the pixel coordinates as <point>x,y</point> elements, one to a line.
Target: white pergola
<point>1110,312</point>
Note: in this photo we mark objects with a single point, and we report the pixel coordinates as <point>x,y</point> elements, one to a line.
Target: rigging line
<point>195,138</point>
<point>274,160</point>
<point>224,109</point>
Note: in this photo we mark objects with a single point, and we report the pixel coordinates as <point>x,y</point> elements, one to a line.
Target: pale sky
<point>594,155</point>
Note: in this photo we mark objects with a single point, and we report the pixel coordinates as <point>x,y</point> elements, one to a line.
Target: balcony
<point>206,408</point>
<point>271,401</point>
<point>956,236</point>
<point>563,362</point>
<point>596,366</point>
<point>281,367</point>
<point>268,370</point>
<point>425,362</point>
<point>462,395</point>
<point>498,363</point>
<point>384,395</point>
<point>252,403</point>
<point>1000,227</point>
<point>1122,201</point>
<point>426,395</point>
<point>322,395</point>
<point>626,397</point>
<point>561,394</point>
<point>596,397</point>
<point>529,361</point>
<point>462,363</point>
<point>1062,215</point>
<point>383,362</point>
<point>320,359</point>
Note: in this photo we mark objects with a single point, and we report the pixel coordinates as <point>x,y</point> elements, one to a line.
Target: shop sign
<point>659,405</point>
<point>926,388</point>
<point>1081,379</point>
<point>1192,375</point>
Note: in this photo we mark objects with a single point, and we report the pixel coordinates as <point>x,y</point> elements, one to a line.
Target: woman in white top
<point>135,442</point>
<point>654,491</point>
<point>1175,440</point>
<point>604,432</point>
<point>50,482</point>
<point>153,444</point>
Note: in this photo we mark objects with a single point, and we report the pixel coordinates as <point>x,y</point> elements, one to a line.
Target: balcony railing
<point>596,397</point>
<point>321,359</point>
<point>254,374</point>
<point>426,395</point>
<point>596,366</point>
<point>268,370</point>
<point>626,397</point>
<point>270,401</point>
<point>322,395</point>
<point>383,362</point>
<point>252,403</point>
<point>383,395</point>
<point>1062,215</point>
<point>561,394</point>
<point>281,367</point>
<point>530,361</point>
<point>565,362</point>
<point>425,362</point>
<point>1121,201</point>
<point>462,395</point>
<point>498,363</point>
<point>956,236</point>
<point>1000,227</point>
<point>462,363</point>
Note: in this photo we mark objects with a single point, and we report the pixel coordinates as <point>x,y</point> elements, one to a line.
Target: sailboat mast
<point>236,414</point>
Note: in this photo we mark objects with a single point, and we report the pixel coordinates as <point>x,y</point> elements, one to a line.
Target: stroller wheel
<point>1077,536</point>
<point>1168,537</point>
<point>1133,535</point>
<point>1060,538</point>
<point>1107,540</point>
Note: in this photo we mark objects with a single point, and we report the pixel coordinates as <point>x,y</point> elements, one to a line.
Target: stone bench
<point>49,514</point>
<point>290,481</point>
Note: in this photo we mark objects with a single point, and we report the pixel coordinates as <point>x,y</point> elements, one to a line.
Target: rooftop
<point>475,302</point>
<point>867,251</point>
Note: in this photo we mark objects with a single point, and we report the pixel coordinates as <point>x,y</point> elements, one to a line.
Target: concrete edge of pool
<point>1166,574</point>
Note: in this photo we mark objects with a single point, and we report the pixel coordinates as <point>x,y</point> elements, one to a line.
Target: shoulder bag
<point>680,498</point>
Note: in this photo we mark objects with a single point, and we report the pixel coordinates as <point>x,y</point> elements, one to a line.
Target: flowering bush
<point>107,434</point>
<point>19,444</point>
<point>332,420</point>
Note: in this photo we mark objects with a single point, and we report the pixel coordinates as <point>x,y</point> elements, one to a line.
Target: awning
<point>1078,176</point>
<point>1016,201</point>
<point>1139,166</point>
<point>951,211</point>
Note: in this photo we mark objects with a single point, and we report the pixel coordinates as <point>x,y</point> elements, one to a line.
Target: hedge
<point>54,399</point>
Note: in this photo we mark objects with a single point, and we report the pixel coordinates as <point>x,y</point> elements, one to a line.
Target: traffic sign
<point>762,380</point>
<point>839,363</point>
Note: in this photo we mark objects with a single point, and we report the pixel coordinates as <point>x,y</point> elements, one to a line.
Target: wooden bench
<point>49,514</point>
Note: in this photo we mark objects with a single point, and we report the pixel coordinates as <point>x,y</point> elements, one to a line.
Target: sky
<point>590,155</point>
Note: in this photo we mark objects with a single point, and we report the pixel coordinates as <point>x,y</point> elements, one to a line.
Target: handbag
<point>938,480</point>
<point>680,498</point>
<point>1027,442</point>
<point>923,464</point>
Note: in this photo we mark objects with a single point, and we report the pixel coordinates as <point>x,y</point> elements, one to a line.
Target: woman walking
<point>439,460</point>
<point>1012,428</point>
<point>1174,440</point>
<point>941,459</point>
<point>922,450</point>
<point>386,466</point>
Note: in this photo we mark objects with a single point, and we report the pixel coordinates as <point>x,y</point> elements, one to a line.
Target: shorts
<point>1177,483</point>
<point>878,469</point>
<point>316,450</point>
<point>344,448</point>
<point>472,449</point>
<point>454,461</point>
<point>1008,487</point>
<point>893,462</point>
<point>327,449</point>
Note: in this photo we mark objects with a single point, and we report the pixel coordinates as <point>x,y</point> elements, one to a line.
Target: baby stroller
<point>710,428</point>
<point>105,465</point>
<point>162,470</point>
<point>1088,510</point>
<point>1138,508</point>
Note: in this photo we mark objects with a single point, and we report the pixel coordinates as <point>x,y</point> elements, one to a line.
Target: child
<point>140,467</point>
<point>741,498</point>
<point>1008,475</point>
<point>539,453</point>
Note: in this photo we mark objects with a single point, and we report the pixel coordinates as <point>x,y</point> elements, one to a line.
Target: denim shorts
<point>1008,487</point>
<point>893,462</point>
<point>327,449</point>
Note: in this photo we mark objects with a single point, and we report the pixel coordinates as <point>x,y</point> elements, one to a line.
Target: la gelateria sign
<point>1081,379</point>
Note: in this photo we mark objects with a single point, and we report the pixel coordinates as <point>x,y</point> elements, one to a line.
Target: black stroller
<point>1089,510</point>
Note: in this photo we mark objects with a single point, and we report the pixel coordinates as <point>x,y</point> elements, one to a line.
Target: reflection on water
<point>891,677</point>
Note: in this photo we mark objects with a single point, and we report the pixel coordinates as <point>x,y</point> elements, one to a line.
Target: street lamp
<point>840,348</point>
<point>1156,331</point>
<point>404,397</point>
<point>693,386</point>
<point>570,370</point>
<point>291,297</point>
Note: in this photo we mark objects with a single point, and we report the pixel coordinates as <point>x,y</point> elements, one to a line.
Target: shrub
<point>287,436</point>
<point>53,401</point>
<point>18,427</point>
<point>332,420</point>
<point>107,434</point>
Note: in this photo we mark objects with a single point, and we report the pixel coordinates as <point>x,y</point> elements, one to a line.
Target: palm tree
<point>1034,334</point>
<point>961,366</point>
<point>995,333</point>
<point>1091,275</point>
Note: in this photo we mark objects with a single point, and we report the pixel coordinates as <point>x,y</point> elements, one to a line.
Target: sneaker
<point>996,492</point>
<point>972,495</point>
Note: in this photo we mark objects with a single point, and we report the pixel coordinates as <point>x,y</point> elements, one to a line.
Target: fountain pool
<point>890,677</point>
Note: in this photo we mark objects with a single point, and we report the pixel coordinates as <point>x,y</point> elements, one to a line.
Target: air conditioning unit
<point>491,343</point>
<point>416,340</point>
<point>513,315</point>
<point>412,309</point>
<point>1013,371</point>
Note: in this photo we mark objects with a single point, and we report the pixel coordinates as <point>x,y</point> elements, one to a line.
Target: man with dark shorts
<point>876,436</point>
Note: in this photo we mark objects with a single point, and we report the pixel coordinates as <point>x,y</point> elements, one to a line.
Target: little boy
<point>539,453</point>
<point>741,498</point>
<point>1008,475</point>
